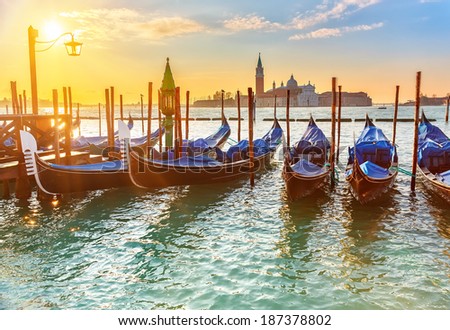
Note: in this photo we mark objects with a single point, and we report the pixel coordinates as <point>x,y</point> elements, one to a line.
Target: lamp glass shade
<point>73,47</point>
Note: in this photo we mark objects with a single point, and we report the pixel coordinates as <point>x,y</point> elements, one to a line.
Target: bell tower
<point>259,90</point>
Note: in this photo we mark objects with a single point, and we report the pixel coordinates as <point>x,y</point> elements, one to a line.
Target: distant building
<point>300,96</point>
<point>359,99</point>
<point>429,101</point>
<point>214,103</point>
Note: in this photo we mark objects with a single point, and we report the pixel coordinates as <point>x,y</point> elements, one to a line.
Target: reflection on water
<point>439,210</point>
<point>298,220</point>
<point>229,246</point>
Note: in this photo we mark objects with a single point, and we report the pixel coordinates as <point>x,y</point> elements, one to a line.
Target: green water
<point>230,247</point>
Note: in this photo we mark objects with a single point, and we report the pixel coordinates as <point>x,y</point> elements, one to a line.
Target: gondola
<point>56,179</point>
<point>98,143</point>
<point>372,165</point>
<point>202,169</point>
<point>434,159</point>
<point>215,140</point>
<point>197,146</point>
<point>139,144</point>
<point>305,168</point>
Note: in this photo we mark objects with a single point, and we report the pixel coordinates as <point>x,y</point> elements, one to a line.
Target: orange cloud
<point>123,23</point>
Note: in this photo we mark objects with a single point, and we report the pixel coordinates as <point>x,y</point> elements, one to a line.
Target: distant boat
<point>382,107</point>
<point>305,167</point>
<point>371,168</point>
<point>434,158</point>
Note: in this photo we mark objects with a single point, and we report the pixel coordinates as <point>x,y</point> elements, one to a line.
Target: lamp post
<point>73,48</point>
<point>168,104</point>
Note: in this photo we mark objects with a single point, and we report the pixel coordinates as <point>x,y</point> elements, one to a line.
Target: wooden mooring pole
<point>149,115</point>
<point>14,99</point>
<point>416,132</point>
<point>394,132</point>
<point>339,122</point>
<point>108,120</point>
<point>187,116</point>
<point>56,118</point>
<point>23,187</point>
<point>78,115</point>
<point>178,110</point>
<point>66,101</point>
<point>24,101</point>
<point>446,112</point>
<point>239,115</point>
<point>288,125</point>
<point>251,152</point>
<point>99,120</point>
<point>121,106</point>
<point>70,103</point>
<point>178,132</point>
<point>111,89</point>
<point>20,104</point>
<point>275,107</point>
<point>142,113</point>
<point>333,129</point>
<point>222,113</point>
<point>67,138</point>
<point>159,121</point>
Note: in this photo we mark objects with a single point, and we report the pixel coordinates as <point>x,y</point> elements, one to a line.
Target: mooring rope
<point>401,170</point>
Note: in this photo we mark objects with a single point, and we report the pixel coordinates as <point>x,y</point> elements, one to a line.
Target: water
<point>231,247</point>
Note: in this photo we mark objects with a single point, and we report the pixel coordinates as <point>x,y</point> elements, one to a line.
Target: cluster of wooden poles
<point>110,115</point>
<point>336,103</point>
<point>19,107</point>
<point>335,119</point>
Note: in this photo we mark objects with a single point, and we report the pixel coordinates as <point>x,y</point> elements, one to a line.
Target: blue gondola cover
<point>444,177</point>
<point>373,170</point>
<point>240,151</point>
<point>373,146</point>
<point>313,136</point>
<point>434,146</point>
<point>307,168</point>
<point>115,165</point>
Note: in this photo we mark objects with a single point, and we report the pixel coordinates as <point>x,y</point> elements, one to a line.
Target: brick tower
<point>259,77</point>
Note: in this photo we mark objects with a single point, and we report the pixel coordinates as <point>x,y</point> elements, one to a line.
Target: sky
<point>369,45</point>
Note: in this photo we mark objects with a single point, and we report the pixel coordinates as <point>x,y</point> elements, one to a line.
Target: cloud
<point>318,34</point>
<point>321,14</point>
<point>324,12</point>
<point>251,22</point>
<point>335,32</point>
<point>128,24</point>
<point>165,27</point>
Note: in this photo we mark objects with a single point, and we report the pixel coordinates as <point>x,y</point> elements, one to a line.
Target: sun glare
<point>51,30</point>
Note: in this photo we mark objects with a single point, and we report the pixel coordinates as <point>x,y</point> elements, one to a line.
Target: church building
<point>300,95</point>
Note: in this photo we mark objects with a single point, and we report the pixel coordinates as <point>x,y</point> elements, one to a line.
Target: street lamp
<point>73,48</point>
<point>168,104</point>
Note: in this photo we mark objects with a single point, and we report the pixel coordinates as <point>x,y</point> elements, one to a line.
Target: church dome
<point>292,82</point>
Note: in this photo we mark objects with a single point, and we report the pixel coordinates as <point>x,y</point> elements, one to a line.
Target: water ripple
<point>228,247</point>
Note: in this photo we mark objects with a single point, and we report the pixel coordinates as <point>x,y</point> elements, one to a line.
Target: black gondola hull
<point>434,186</point>
<point>299,186</point>
<point>59,181</point>
<point>367,189</point>
<point>147,174</point>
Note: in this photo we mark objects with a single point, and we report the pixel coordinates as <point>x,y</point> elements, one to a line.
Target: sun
<point>51,30</point>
